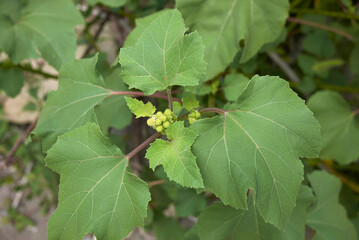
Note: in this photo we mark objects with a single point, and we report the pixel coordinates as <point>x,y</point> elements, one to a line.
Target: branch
<point>18,143</point>
<point>346,15</point>
<point>142,145</point>
<point>96,36</point>
<point>327,165</point>
<point>8,65</point>
<point>141,94</point>
<point>321,26</point>
<point>216,110</point>
<point>155,183</point>
<point>284,66</point>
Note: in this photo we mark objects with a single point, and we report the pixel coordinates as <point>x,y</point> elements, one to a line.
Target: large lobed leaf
<point>97,192</point>
<point>340,129</point>
<point>39,28</point>
<point>256,145</point>
<point>80,89</point>
<point>222,27</point>
<point>176,157</point>
<point>327,217</point>
<point>163,55</point>
<point>224,222</point>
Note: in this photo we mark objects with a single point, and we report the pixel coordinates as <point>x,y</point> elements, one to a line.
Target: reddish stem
<point>142,145</point>
<point>216,110</point>
<point>355,112</point>
<point>19,142</point>
<point>157,182</point>
<point>322,26</point>
<point>141,94</point>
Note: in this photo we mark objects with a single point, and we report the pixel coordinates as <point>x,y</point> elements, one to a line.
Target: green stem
<point>322,26</point>
<point>169,95</point>
<point>8,65</point>
<point>345,15</point>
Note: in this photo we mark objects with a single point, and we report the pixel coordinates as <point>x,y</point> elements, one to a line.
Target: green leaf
<point>168,229</point>
<point>224,222</point>
<point>327,217</point>
<point>188,202</point>
<point>163,56</point>
<point>97,193</point>
<point>111,3</point>
<point>140,109</point>
<point>80,89</point>
<point>189,101</point>
<point>11,81</point>
<point>254,144</point>
<point>223,26</point>
<point>319,44</point>
<point>339,128</point>
<point>234,85</point>
<point>176,157</point>
<point>39,28</point>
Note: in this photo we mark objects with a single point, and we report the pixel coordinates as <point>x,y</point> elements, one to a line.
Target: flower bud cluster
<point>193,116</point>
<point>161,120</point>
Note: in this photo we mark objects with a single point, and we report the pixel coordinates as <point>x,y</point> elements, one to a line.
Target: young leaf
<point>327,217</point>
<point>80,89</point>
<point>252,145</point>
<point>176,157</point>
<point>224,222</point>
<point>140,109</point>
<point>189,101</point>
<point>163,56</point>
<point>39,28</point>
<point>97,192</point>
<point>340,129</point>
<point>223,26</point>
<point>234,85</point>
<point>11,81</point>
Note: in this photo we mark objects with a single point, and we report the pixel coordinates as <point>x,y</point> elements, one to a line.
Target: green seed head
<point>159,128</point>
<point>151,122</point>
<point>159,114</point>
<point>198,115</point>
<point>191,120</point>
<point>192,114</point>
<point>166,124</point>
<point>158,122</point>
<point>163,118</point>
<point>168,112</point>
